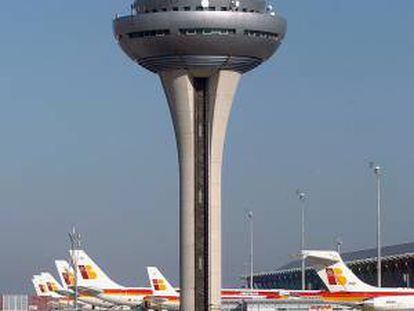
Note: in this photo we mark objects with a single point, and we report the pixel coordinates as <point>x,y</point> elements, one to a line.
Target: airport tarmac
<point>286,305</point>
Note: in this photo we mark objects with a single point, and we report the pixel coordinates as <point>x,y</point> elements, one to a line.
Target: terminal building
<point>24,303</point>
<point>397,265</point>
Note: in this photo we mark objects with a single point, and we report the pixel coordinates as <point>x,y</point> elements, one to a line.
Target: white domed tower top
<point>200,34</point>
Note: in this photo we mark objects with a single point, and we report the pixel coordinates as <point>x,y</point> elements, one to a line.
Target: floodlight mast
<point>251,232</point>
<point>302,196</point>
<point>339,242</point>
<point>377,170</point>
<point>200,49</point>
<point>75,244</point>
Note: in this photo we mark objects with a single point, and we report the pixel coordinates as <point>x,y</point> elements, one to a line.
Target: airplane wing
<point>157,300</point>
<point>65,292</point>
<point>92,291</point>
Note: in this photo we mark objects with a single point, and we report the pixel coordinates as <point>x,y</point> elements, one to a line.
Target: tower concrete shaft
<point>200,109</point>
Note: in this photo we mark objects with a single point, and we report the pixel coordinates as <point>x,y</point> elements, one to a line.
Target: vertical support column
<point>180,95</point>
<point>222,88</point>
<point>200,109</point>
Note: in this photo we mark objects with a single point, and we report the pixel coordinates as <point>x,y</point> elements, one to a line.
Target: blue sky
<point>86,138</point>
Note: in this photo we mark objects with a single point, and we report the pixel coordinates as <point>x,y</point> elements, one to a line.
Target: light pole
<point>338,242</point>
<point>302,196</point>
<point>250,220</point>
<point>378,173</point>
<point>75,244</point>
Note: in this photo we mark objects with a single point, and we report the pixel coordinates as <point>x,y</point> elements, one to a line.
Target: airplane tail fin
<point>40,289</point>
<point>89,273</point>
<point>159,284</point>
<point>334,273</point>
<point>66,274</point>
<point>52,284</point>
<point>47,286</point>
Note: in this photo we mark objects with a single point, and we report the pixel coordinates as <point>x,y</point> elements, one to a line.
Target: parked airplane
<point>67,278</point>
<point>344,286</point>
<point>166,297</point>
<point>92,280</point>
<point>47,287</point>
<point>53,285</point>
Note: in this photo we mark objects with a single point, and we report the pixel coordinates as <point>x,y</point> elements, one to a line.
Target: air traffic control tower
<point>200,49</point>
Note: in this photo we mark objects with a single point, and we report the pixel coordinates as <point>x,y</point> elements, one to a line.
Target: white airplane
<point>166,297</point>
<point>92,280</point>
<point>47,287</point>
<point>345,286</point>
<point>67,278</point>
<point>53,285</point>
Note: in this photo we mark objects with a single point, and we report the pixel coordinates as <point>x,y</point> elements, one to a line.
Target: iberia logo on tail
<point>52,287</point>
<point>160,285</point>
<point>69,278</point>
<point>87,272</point>
<point>336,276</point>
<point>42,288</point>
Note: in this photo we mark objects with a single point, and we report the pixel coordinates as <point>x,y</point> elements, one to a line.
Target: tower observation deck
<point>200,49</point>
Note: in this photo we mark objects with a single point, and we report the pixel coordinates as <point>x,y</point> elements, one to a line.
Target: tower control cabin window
<point>262,34</point>
<point>207,31</point>
<point>149,33</point>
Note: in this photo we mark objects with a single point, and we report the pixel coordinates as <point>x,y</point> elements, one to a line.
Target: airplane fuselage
<point>131,297</point>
